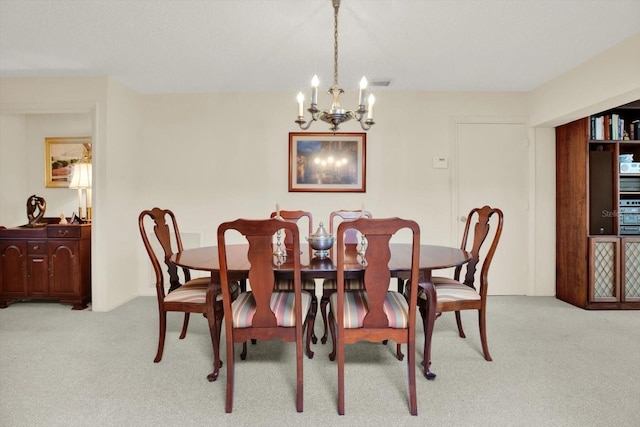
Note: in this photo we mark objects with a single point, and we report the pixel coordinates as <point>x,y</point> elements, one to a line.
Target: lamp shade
<point>81,177</point>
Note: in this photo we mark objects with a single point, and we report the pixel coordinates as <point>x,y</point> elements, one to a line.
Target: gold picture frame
<point>327,162</point>
<point>61,153</point>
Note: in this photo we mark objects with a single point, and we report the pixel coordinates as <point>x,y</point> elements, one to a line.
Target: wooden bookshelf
<point>597,251</point>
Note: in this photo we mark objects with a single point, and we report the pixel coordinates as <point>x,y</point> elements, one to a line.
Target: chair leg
<point>340,375</point>
<point>324,302</point>
<point>163,330</point>
<point>411,361</point>
<point>399,354</point>
<point>332,326</point>
<point>483,335</point>
<point>428,331</point>
<point>230,374</point>
<point>314,309</point>
<point>213,331</point>
<point>459,323</point>
<point>185,325</point>
<point>243,355</point>
<point>299,377</point>
<point>309,324</point>
<point>219,313</point>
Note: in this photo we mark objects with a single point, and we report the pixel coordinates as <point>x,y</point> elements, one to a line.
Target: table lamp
<point>81,179</point>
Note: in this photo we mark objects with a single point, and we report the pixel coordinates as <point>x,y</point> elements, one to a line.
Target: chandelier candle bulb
<point>363,87</point>
<point>300,104</point>
<point>372,100</point>
<point>315,82</point>
<point>277,210</point>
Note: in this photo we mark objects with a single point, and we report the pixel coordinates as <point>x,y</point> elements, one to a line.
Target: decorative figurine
<point>36,207</point>
<point>63,219</point>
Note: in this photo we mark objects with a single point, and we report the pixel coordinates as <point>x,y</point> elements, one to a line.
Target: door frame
<point>531,167</point>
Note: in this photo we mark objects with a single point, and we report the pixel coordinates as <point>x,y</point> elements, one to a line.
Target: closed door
<point>492,169</point>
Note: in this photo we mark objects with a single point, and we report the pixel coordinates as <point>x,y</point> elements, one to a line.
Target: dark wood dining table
<point>431,258</point>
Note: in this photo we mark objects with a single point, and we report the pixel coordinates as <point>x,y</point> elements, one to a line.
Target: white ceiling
<point>182,46</point>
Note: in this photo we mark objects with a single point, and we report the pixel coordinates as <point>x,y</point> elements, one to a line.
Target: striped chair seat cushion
<point>452,291</point>
<point>282,304</point>
<point>195,292</point>
<point>287,285</point>
<point>356,307</point>
<point>349,284</point>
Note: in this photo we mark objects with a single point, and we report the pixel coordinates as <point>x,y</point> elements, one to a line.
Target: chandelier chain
<point>335,44</point>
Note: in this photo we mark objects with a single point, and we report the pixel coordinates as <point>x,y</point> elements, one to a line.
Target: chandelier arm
<point>301,123</point>
<point>366,125</point>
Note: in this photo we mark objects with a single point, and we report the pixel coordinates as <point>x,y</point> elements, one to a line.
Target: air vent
<point>380,83</point>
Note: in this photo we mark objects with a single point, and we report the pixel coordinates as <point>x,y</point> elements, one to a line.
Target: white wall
<point>115,235</point>
<point>606,81</point>
<point>210,159</point>
<point>23,154</point>
<point>13,161</point>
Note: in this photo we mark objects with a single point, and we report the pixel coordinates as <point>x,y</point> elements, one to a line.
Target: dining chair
<point>374,313</point>
<point>454,294</point>
<point>351,238</point>
<point>263,312</point>
<point>200,295</point>
<point>308,285</point>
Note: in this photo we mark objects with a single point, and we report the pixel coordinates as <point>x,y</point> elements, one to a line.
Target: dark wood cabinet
<point>50,262</point>
<point>597,246</point>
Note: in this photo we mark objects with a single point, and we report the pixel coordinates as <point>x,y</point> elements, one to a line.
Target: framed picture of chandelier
<point>327,162</point>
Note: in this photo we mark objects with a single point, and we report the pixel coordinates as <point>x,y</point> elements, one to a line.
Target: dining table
<point>432,257</point>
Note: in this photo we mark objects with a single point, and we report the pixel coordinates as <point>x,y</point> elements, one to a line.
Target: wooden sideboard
<point>52,262</point>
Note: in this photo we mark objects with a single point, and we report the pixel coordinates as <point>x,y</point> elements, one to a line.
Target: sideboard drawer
<point>63,231</point>
<point>36,248</point>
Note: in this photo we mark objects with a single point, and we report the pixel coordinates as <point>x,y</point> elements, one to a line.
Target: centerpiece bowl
<point>321,242</point>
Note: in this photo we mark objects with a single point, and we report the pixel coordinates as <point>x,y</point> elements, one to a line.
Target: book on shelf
<point>634,130</point>
<point>614,127</point>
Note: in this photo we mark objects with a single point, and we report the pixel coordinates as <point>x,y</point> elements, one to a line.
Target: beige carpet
<point>554,365</point>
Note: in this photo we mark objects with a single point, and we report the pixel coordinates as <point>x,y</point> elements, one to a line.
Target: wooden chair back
<point>473,239</point>
<point>294,217</point>
<point>164,226</point>
<point>347,215</point>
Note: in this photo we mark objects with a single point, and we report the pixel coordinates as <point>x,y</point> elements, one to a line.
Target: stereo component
<point>632,167</point>
<point>629,216</point>
<point>629,183</point>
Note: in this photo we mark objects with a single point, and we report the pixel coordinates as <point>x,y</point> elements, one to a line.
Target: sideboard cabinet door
<point>64,279</point>
<point>631,276</point>
<point>13,270</point>
<point>604,274</point>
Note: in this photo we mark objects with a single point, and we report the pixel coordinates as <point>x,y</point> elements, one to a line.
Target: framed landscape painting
<point>60,156</point>
<point>327,162</point>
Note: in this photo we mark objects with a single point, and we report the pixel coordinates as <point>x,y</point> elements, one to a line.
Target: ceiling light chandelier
<point>336,115</point>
